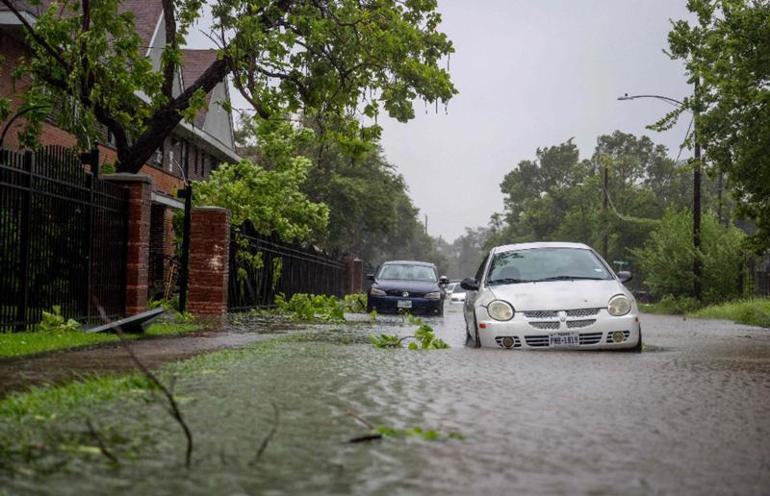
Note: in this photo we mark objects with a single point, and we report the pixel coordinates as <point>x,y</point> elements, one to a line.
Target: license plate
<point>404,303</point>
<point>564,338</point>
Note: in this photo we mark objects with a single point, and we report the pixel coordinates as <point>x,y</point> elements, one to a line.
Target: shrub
<point>54,321</point>
<point>666,258</point>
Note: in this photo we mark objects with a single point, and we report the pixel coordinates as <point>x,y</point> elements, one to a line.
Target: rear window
<point>408,272</point>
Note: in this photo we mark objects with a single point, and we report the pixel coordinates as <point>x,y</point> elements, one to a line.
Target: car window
<point>480,272</point>
<point>545,264</point>
<point>408,272</point>
<point>458,289</point>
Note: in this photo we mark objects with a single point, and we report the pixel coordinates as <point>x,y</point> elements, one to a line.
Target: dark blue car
<point>407,286</point>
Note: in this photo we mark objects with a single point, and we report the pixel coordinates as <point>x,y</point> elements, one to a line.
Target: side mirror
<point>370,277</point>
<point>443,280</point>
<point>469,284</point>
<point>625,276</point>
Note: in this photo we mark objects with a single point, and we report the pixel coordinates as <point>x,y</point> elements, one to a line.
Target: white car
<point>550,295</point>
<point>457,295</point>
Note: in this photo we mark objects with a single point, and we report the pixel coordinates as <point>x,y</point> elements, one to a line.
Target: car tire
<point>475,339</point>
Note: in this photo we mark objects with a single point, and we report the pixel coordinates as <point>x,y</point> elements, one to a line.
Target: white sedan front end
<point>557,312</point>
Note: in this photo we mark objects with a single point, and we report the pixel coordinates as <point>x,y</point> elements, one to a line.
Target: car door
<point>470,296</point>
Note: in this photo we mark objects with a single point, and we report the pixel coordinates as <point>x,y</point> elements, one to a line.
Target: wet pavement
<point>690,415</point>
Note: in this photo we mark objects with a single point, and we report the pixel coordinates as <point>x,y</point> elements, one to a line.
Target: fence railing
<point>264,266</point>
<point>756,277</point>
<point>62,239</point>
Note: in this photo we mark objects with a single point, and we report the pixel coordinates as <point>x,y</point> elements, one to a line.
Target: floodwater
<point>690,415</point>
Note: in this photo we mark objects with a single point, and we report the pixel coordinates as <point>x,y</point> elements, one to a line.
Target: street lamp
<point>697,265</point>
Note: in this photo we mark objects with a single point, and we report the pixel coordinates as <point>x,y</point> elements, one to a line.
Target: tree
<point>270,193</point>
<point>327,58</point>
<point>728,51</point>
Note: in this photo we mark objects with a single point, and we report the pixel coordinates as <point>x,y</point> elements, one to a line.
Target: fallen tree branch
<point>269,437</point>
<point>173,407</point>
<point>100,443</point>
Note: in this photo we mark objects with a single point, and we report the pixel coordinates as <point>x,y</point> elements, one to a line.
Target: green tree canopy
<point>727,50</point>
<point>328,58</point>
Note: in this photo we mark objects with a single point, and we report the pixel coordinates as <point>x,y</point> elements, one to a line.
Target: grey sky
<point>532,73</point>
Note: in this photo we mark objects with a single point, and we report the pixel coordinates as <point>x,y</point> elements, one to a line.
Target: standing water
<point>691,415</point>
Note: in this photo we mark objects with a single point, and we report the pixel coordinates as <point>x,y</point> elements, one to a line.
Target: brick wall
<point>209,261</point>
<point>138,246</point>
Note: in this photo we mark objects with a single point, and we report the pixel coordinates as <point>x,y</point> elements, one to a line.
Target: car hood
<point>416,286</point>
<point>559,295</point>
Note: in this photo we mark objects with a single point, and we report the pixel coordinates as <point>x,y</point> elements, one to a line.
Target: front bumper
<point>389,304</point>
<point>595,333</point>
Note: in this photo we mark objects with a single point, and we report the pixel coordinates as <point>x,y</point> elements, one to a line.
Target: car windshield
<point>545,264</point>
<point>407,272</point>
<point>458,289</point>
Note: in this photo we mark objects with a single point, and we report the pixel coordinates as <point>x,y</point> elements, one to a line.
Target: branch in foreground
<point>102,446</point>
<point>173,408</point>
<point>269,437</point>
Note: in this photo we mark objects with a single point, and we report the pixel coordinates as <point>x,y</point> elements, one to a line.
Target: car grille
<point>577,324</point>
<point>590,338</point>
<point>545,325</point>
<point>537,341</point>
<point>516,341</point>
<point>541,314</point>
<point>587,338</point>
<point>583,312</point>
<point>577,312</point>
<point>400,292</point>
<point>626,334</point>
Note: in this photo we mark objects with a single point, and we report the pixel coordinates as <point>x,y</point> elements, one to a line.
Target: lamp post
<point>697,264</point>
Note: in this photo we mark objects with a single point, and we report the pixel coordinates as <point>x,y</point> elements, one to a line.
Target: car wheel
<point>468,338</point>
<point>475,338</point>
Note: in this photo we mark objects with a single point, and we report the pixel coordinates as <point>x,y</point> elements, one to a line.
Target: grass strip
<point>755,312</point>
<point>17,344</point>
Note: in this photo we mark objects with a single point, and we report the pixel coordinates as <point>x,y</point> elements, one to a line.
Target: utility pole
<point>697,263</point>
<point>606,246</point>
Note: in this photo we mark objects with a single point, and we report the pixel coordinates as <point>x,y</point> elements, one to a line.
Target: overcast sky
<point>531,73</point>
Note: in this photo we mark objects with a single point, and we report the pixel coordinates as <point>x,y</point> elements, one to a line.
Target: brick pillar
<point>354,275</point>
<point>209,261</point>
<point>138,251</point>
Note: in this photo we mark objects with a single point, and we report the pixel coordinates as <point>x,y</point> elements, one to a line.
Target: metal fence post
<point>184,270</point>
<point>92,159</point>
<point>24,235</point>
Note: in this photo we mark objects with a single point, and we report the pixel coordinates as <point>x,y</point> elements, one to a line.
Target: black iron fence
<point>62,239</point>
<point>756,277</point>
<point>264,266</point>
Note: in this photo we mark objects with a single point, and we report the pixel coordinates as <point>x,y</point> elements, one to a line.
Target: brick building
<point>193,150</point>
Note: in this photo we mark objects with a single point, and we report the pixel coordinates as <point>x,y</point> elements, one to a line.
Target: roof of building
<point>194,63</point>
<point>146,13</point>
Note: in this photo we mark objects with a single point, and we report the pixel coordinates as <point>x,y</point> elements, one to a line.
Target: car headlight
<point>435,295</point>
<point>377,292</point>
<point>619,305</point>
<point>500,310</point>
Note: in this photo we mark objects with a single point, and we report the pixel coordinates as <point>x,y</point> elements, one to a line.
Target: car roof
<point>540,244</point>
<point>409,262</point>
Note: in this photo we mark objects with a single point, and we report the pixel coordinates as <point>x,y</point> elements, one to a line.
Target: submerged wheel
<point>473,342</point>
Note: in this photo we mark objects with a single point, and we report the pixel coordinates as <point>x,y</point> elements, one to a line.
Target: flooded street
<point>690,415</point>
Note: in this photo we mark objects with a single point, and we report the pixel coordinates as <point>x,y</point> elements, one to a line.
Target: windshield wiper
<point>505,280</point>
<point>569,278</point>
